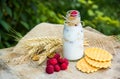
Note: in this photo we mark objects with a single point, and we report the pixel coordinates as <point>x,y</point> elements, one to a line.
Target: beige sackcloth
<point>31,70</point>
<point>95,39</point>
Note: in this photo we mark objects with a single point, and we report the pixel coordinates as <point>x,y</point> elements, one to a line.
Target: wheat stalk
<point>42,47</point>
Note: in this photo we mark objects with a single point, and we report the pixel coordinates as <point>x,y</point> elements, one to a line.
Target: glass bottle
<point>73,36</point>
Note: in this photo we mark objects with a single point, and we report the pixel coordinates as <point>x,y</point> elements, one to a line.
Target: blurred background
<point>17,17</point>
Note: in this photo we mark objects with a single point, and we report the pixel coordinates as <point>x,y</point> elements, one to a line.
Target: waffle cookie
<point>95,59</point>
<point>100,64</point>
<point>85,67</point>
<point>98,54</point>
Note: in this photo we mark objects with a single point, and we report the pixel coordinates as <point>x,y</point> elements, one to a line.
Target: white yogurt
<point>73,41</point>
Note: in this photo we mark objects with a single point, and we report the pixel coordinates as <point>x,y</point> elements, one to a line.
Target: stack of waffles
<point>94,59</point>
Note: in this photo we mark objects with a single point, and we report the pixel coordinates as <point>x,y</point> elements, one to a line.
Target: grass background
<point>17,17</point>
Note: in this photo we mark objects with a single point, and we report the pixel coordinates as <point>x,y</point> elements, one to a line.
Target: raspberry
<point>74,13</point>
<point>49,69</point>
<point>53,61</point>
<point>57,56</point>
<point>63,60</point>
<point>48,62</point>
<point>56,64</point>
<point>57,68</point>
<point>63,66</point>
<point>60,60</point>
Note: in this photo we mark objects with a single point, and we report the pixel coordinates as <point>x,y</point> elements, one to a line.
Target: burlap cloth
<point>29,70</point>
<point>95,39</point>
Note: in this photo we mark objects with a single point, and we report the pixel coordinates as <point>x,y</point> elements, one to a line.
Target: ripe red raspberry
<point>49,69</point>
<point>57,68</point>
<point>63,60</point>
<point>48,62</point>
<point>60,60</point>
<point>53,61</point>
<point>63,66</point>
<point>57,56</point>
<point>74,13</point>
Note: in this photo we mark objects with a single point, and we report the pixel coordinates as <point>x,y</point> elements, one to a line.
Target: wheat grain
<point>43,47</point>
